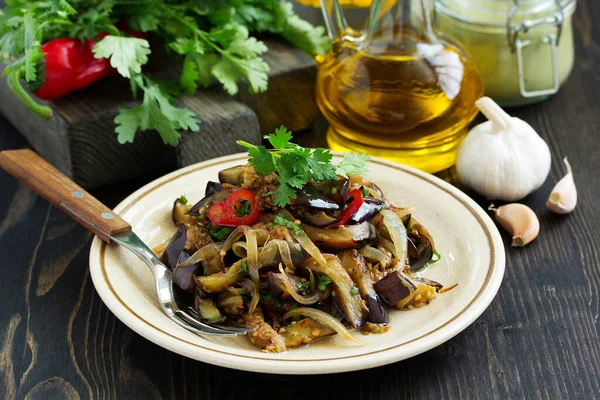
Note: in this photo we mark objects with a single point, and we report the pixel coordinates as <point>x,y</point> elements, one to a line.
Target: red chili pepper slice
<point>239,208</point>
<point>357,201</point>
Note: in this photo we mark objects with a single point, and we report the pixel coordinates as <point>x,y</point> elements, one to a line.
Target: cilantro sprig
<point>213,40</point>
<point>324,280</point>
<point>279,220</point>
<point>296,165</point>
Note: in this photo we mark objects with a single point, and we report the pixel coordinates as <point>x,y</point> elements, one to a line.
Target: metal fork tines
<point>163,278</point>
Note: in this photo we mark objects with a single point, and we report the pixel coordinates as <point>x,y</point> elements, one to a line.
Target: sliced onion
<point>233,237</point>
<point>306,300</point>
<point>325,319</point>
<point>397,233</point>
<point>206,252</point>
<point>312,280</point>
<point>240,249</point>
<point>284,251</point>
<point>237,291</point>
<point>388,245</point>
<point>373,254</point>
<point>251,248</point>
<point>310,247</point>
<point>405,211</point>
<point>448,288</point>
<point>253,290</point>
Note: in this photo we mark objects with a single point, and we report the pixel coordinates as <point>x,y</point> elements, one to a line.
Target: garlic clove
<point>563,198</point>
<point>519,220</point>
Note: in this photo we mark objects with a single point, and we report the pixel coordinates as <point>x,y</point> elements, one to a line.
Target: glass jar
<point>523,48</point>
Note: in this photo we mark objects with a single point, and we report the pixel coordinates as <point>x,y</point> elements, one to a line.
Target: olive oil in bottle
<point>398,92</point>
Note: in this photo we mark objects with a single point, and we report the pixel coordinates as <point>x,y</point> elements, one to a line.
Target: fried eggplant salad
<point>298,248</point>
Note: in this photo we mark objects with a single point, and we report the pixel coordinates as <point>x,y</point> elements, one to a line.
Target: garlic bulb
<point>503,158</point>
<point>563,198</point>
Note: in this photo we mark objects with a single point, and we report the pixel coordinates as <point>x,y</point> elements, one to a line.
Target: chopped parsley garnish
<point>183,199</point>
<point>365,192</point>
<point>243,209</point>
<point>244,266</point>
<point>220,234</point>
<point>354,291</point>
<point>303,287</point>
<point>296,165</point>
<point>436,257</point>
<point>324,280</point>
<point>333,190</point>
<point>267,296</point>
<point>287,223</point>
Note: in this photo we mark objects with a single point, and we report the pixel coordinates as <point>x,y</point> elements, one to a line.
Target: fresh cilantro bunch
<point>212,39</point>
<point>296,165</point>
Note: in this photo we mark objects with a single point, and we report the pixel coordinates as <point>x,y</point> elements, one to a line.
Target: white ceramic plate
<point>470,245</point>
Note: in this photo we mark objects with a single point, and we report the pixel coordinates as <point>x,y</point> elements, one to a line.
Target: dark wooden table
<point>538,339</point>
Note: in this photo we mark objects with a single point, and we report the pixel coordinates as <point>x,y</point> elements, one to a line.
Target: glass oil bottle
<point>396,90</point>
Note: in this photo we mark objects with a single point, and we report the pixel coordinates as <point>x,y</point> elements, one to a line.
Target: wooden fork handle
<point>61,191</point>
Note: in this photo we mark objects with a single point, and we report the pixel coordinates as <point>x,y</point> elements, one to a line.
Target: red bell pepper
<point>351,209</point>
<point>239,208</point>
<point>71,65</point>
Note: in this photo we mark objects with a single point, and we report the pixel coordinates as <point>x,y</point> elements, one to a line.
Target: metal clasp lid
<point>517,45</point>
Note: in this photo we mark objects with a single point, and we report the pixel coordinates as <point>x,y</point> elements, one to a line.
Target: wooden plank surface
<point>80,139</point>
<point>539,339</point>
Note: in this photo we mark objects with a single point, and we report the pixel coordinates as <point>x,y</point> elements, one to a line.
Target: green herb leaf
<point>324,280</point>
<point>365,192</point>
<point>220,234</point>
<point>352,164</point>
<point>64,6</point>
<point>267,296</point>
<point>243,209</point>
<point>296,165</point>
<point>299,32</point>
<point>244,266</point>
<point>183,199</point>
<point>436,257</point>
<point>303,287</point>
<point>288,224</point>
<point>281,138</point>
<point>155,112</point>
<point>354,291</point>
<point>262,160</point>
<point>127,54</point>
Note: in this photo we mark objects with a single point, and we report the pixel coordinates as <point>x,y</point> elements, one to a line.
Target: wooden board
<point>80,139</point>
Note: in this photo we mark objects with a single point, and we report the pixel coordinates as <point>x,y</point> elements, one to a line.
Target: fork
<point>65,194</point>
